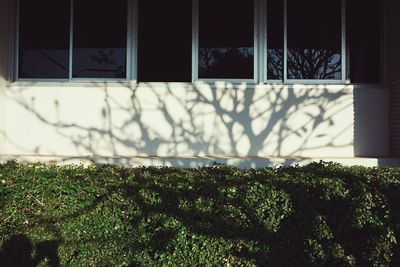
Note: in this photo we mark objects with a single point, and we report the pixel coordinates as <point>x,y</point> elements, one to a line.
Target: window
<point>305,41</point>
<point>100,39</point>
<point>164,41</point>
<point>314,40</point>
<point>69,39</point>
<point>44,39</point>
<point>364,40</point>
<point>301,40</point>
<point>255,41</point>
<point>226,40</point>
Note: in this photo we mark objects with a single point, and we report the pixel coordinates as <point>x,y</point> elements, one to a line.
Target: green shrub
<point>323,214</point>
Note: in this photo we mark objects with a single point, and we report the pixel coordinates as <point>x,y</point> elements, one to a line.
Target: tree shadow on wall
<point>185,120</point>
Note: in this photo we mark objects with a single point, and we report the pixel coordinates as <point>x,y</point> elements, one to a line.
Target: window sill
<point>216,84</point>
<point>71,83</point>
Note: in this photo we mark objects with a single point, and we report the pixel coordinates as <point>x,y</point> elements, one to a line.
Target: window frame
<point>264,40</point>
<point>195,48</point>
<point>260,50</point>
<point>263,70</point>
<point>131,49</point>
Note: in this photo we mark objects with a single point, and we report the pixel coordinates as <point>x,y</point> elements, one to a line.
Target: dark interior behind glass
<point>364,43</point>
<point>314,39</point>
<point>100,39</point>
<point>44,39</point>
<point>226,39</point>
<point>165,41</point>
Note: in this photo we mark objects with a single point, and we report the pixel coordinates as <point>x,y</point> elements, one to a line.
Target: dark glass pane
<point>100,39</point>
<point>165,41</point>
<point>363,35</point>
<point>226,39</point>
<point>314,39</point>
<point>275,18</point>
<point>44,39</point>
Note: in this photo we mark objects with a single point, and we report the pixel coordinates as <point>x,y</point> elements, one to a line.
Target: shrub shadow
<point>18,250</point>
<point>288,223</point>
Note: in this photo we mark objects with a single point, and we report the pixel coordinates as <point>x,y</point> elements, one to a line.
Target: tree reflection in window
<point>314,64</point>
<point>102,63</point>
<point>275,36</point>
<point>314,39</point>
<point>275,64</point>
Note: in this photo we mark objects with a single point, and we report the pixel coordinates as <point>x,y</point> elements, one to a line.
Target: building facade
<point>181,82</point>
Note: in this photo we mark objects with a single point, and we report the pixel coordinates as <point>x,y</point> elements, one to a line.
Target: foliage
<point>323,214</point>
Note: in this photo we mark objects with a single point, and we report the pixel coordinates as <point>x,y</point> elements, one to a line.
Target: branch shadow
<point>175,121</point>
<point>231,209</point>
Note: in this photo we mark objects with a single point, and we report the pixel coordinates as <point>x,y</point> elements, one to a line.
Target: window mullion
<point>134,42</point>
<point>17,30</point>
<point>256,34</point>
<point>71,40</point>
<point>285,41</point>
<point>344,69</point>
<point>195,40</point>
<point>132,28</point>
<point>263,41</point>
<point>129,42</point>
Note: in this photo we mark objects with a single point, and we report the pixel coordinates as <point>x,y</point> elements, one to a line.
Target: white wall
<point>179,119</point>
<point>184,120</point>
<point>371,126</point>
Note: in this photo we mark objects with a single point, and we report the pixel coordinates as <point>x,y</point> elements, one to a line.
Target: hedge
<point>322,214</point>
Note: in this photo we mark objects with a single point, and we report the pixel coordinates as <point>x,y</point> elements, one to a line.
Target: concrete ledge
<point>189,162</point>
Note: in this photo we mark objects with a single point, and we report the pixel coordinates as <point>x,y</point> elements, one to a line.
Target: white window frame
<point>131,49</point>
<point>195,48</point>
<point>260,49</point>
<point>285,80</point>
<point>263,45</point>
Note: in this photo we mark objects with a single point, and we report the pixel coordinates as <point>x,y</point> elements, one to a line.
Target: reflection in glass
<point>44,39</point>
<point>226,39</point>
<point>314,39</point>
<point>100,39</point>
<point>275,34</point>
<point>226,62</point>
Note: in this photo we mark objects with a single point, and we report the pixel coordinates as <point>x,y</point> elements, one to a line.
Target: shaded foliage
<point>323,214</point>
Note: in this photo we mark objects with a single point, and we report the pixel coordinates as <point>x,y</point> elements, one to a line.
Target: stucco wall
<point>371,122</point>
<point>180,120</point>
<point>392,45</point>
